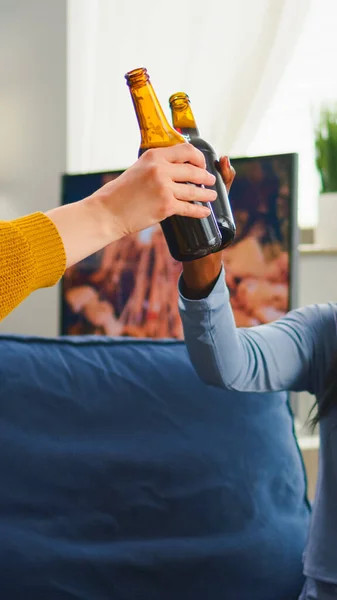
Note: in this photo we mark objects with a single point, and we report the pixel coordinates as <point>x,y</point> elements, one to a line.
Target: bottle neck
<point>189,133</point>
<point>155,130</point>
<point>182,116</point>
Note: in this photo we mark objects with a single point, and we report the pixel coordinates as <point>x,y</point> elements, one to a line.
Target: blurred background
<point>258,74</point>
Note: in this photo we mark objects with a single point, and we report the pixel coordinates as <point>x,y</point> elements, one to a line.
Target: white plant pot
<point>326,231</point>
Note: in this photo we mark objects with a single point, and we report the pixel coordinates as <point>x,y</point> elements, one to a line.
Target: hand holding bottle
<point>184,122</point>
<point>200,276</point>
<point>148,192</point>
<point>153,189</point>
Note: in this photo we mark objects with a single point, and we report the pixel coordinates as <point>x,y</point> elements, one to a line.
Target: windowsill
<point>316,249</point>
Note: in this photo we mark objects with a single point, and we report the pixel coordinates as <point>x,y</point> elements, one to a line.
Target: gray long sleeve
<point>289,354</point>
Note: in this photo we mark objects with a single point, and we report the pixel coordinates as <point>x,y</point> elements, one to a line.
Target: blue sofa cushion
<point>124,477</point>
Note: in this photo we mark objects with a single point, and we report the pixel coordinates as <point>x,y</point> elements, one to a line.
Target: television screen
<point>130,287</point>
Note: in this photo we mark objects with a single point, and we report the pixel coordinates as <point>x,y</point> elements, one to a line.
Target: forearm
<point>84,227</point>
<point>209,327</point>
<point>36,250</point>
<point>258,359</point>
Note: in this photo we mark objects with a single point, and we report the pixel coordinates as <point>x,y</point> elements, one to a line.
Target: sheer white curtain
<point>308,81</point>
<point>228,56</point>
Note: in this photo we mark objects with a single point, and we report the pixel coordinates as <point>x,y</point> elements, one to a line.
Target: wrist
<point>85,227</point>
<point>100,210</point>
<point>200,276</point>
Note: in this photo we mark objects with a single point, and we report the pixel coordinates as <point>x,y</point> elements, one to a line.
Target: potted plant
<point>326,161</point>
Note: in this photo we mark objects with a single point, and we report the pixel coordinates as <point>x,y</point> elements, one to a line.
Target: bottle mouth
<point>179,100</point>
<point>137,77</point>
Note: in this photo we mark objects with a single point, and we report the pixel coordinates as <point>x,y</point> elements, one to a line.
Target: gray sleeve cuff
<point>215,298</point>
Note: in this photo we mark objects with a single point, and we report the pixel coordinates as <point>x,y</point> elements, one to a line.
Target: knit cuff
<point>46,246</point>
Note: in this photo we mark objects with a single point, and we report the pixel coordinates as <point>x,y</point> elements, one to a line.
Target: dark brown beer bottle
<point>184,122</point>
<point>186,237</point>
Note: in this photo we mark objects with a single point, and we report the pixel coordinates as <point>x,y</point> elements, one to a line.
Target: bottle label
<point>185,135</point>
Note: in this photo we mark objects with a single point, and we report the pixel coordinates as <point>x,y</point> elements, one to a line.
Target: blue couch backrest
<point>124,477</point>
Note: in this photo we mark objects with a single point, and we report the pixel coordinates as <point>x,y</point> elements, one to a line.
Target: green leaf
<point>326,149</point>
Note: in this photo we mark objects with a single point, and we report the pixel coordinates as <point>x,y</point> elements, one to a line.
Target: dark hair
<point>329,397</point>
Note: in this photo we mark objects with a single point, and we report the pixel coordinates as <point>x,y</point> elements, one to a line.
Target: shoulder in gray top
<point>291,354</point>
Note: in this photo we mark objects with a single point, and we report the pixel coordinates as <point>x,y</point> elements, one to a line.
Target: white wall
<point>33,47</point>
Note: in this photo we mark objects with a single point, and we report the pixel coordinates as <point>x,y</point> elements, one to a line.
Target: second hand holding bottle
<point>184,122</point>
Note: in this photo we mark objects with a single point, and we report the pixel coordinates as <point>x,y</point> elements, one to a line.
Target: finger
<point>227,171</point>
<point>192,193</point>
<point>187,172</point>
<point>181,153</point>
<point>196,211</point>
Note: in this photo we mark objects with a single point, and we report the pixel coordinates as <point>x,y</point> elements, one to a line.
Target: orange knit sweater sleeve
<point>32,256</point>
